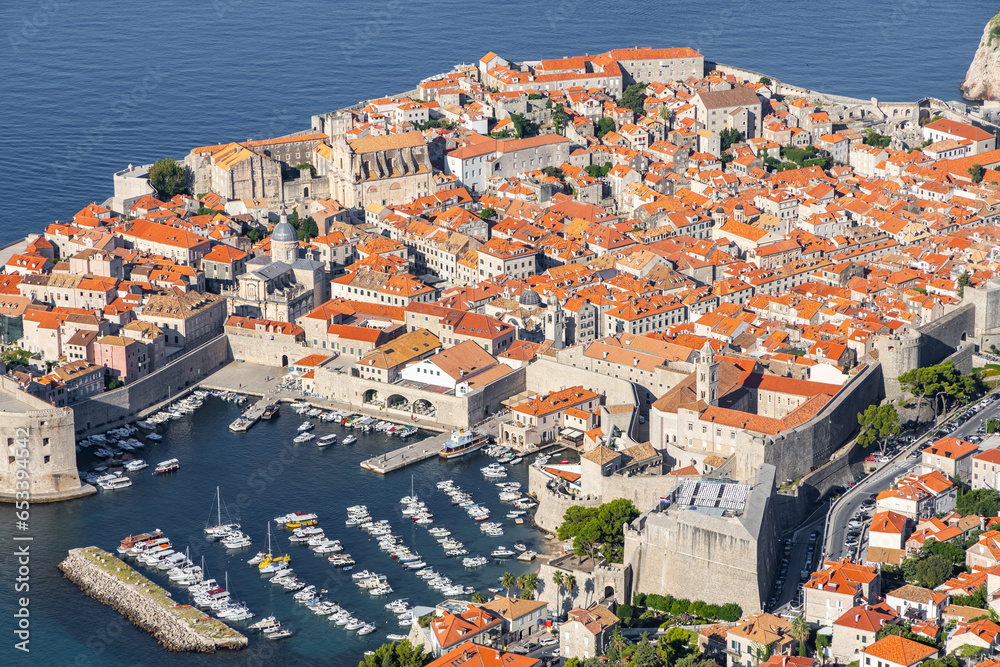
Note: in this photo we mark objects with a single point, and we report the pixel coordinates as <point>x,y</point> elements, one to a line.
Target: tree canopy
<point>604,125</point>
<point>634,98</point>
<point>168,177</point>
<point>401,654</point>
<point>597,531</point>
<point>729,137</point>
<point>942,382</point>
<point>873,138</point>
<point>976,172</point>
<point>878,423</point>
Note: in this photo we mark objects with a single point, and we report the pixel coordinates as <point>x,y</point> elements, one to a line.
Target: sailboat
<point>271,563</point>
<point>234,611</point>
<point>220,529</point>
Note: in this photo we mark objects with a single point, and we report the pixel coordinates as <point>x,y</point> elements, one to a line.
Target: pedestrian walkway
<point>404,456</point>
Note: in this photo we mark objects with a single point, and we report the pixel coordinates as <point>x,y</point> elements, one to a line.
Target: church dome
<point>284,233</point>
<point>530,297</point>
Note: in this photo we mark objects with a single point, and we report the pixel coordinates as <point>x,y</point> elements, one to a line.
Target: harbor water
<point>261,475</point>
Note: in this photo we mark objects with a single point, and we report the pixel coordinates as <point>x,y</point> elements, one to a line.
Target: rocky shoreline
<point>150,607</point>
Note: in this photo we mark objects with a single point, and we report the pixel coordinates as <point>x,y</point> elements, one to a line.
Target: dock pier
<point>404,456</point>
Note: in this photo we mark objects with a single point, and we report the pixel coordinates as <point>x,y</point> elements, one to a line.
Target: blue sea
<point>90,87</point>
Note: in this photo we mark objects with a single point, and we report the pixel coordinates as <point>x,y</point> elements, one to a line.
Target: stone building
<point>713,531</point>
<point>839,586</point>
<point>281,286</point>
<point>187,319</point>
<point>586,632</point>
<point>390,170</point>
<point>738,109</point>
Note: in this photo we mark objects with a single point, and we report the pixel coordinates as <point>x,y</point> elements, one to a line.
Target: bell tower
<point>707,370</point>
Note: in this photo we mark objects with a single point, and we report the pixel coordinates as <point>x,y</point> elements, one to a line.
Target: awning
<point>571,433</point>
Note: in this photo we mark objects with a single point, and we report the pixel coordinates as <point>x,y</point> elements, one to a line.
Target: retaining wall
<point>121,406</point>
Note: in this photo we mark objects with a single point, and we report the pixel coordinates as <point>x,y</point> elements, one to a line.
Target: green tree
<point>604,125</point>
<point>529,586</point>
<point>992,425</point>
<point>307,229</point>
<point>645,654</point>
<point>933,571</point>
<point>253,235</point>
<point>115,383</point>
<point>478,597</point>
<point>507,581</point>
<point>168,178</point>
<point>598,530</point>
<point>634,98</point>
<point>766,80</point>
<point>560,118</point>
<point>569,581</point>
<point>873,138</point>
<point>964,280</point>
<point>599,171</point>
<point>402,654</point>
<point>554,172</point>
<point>15,355</point>
<point>730,612</point>
<point>729,137</point>
<point>977,599</point>
<point>666,113</point>
<point>878,423</point>
<point>981,502</point>
<point>800,630</point>
<point>976,172</point>
<point>487,213</point>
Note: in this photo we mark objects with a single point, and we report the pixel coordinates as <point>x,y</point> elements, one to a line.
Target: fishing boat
<point>220,529</point>
<point>270,411</point>
<point>170,465</point>
<point>462,442</point>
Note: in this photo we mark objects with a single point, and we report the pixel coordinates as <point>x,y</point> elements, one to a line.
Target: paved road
<point>882,478</point>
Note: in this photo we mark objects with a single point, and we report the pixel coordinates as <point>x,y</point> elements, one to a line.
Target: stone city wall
<point>940,338</point>
<point>263,351</point>
<point>121,406</point>
<point>799,450</point>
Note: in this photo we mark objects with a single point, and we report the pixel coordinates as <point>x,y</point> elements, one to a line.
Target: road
<point>882,478</point>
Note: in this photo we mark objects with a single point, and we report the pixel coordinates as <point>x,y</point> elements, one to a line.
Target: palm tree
<point>800,630</point>
<point>507,581</point>
<point>522,581</point>
<point>557,581</point>
<point>569,581</point>
<point>530,585</point>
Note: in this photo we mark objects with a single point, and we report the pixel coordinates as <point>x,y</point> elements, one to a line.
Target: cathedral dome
<point>530,297</point>
<point>284,233</point>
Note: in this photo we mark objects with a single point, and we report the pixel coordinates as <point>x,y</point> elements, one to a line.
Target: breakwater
<point>177,627</point>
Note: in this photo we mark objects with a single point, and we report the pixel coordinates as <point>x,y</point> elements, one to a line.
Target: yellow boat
<point>268,560</point>
<point>300,524</point>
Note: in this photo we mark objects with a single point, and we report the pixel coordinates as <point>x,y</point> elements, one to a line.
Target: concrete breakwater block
<point>177,627</point>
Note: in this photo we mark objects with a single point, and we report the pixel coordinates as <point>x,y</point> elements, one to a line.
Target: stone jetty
<point>177,627</point>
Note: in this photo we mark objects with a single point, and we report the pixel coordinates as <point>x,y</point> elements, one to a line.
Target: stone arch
<point>398,402</point>
<point>609,592</point>
<point>395,186</point>
<point>372,190</point>
<point>370,396</point>
<point>422,406</point>
<point>284,360</point>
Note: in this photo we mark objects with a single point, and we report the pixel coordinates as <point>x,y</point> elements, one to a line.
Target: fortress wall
<point>262,351</point>
<point>940,338</point>
<point>121,406</point>
<point>798,450</point>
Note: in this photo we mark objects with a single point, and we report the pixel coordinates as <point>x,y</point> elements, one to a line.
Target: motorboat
<point>303,437</point>
<point>462,442</point>
<point>306,426</point>
<point>354,624</point>
<point>170,465</point>
<point>294,517</point>
<point>270,411</point>
<point>327,440</point>
<point>520,546</point>
<point>135,464</point>
<point>349,440</point>
<point>265,624</point>
<point>366,629</point>
<point>115,483</point>
<point>279,634</point>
